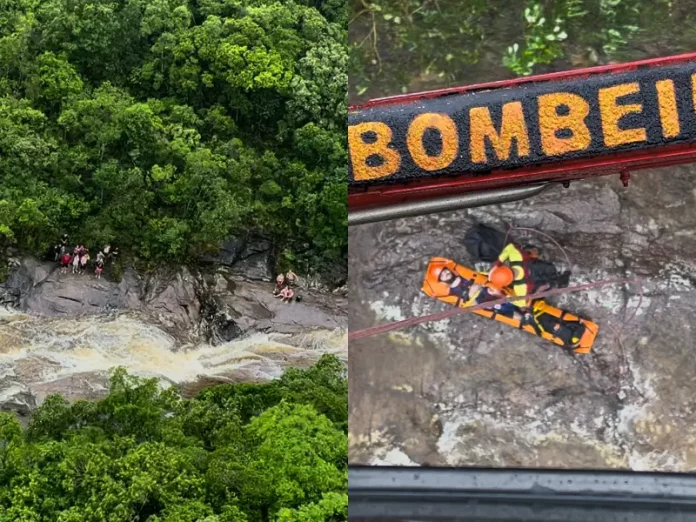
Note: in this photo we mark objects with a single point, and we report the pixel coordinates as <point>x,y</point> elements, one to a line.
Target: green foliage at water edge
<point>236,453</point>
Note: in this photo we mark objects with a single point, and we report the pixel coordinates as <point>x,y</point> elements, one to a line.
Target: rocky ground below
<point>228,296</point>
<point>468,391</point>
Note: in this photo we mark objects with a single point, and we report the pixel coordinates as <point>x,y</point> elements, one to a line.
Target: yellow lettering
<point>667,101</point>
<point>611,113</point>
<point>360,151</point>
<point>512,126</point>
<point>448,135</point>
<point>550,121</point>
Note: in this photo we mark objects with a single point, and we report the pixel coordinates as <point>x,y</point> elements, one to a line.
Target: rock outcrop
<point>186,326</point>
<point>229,297</point>
<point>250,259</point>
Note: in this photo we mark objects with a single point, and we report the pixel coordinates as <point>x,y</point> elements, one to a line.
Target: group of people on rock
<point>78,257</point>
<point>286,285</point>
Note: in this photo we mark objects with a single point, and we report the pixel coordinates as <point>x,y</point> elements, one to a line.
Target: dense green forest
<point>411,45</point>
<point>165,126</point>
<point>234,453</point>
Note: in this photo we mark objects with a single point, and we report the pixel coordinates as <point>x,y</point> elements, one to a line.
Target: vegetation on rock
<point>407,45</point>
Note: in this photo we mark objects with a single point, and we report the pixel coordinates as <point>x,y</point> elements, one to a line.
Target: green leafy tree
<point>331,508</point>
<point>168,126</point>
<point>235,453</point>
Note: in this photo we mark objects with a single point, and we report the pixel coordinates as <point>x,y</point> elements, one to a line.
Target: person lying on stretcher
<point>471,293</point>
<point>503,276</point>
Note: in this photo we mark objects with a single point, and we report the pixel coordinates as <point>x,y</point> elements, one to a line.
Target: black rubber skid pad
<point>649,116</point>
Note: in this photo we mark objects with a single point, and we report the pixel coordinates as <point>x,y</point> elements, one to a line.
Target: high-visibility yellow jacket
<point>514,257</point>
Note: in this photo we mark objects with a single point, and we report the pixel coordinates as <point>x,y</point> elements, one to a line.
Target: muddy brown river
<point>73,357</point>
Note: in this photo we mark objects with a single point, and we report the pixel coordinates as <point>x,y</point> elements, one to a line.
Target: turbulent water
<point>39,356</point>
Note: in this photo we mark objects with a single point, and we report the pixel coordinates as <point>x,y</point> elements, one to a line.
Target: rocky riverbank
<point>218,322</point>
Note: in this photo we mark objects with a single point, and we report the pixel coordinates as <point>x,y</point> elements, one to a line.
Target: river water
<point>39,356</point>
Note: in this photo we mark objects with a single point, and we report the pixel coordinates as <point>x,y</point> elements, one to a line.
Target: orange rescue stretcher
<point>439,290</point>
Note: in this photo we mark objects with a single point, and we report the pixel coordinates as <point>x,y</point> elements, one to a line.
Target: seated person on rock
<point>286,294</point>
<point>280,284</point>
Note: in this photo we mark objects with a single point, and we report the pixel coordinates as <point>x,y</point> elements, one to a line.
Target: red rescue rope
<point>384,328</point>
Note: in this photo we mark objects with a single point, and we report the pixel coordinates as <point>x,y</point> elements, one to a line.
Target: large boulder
<point>251,259</point>
<point>219,307</point>
<point>252,307</point>
<point>173,300</point>
<point>39,287</point>
<point>25,273</point>
<point>64,297</point>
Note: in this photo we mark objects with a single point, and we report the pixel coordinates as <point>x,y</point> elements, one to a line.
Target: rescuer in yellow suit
<point>510,271</point>
<point>521,270</point>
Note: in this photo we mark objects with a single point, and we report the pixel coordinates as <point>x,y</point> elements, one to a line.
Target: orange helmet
<point>501,276</point>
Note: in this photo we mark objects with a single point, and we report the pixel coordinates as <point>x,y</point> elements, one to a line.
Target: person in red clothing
<point>65,262</point>
<point>100,268</point>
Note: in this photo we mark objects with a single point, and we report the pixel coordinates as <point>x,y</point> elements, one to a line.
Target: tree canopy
<point>235,453</point>
<point>167,126</point>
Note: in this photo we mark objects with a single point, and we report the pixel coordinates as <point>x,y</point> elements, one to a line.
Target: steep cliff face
<point>218,322</point>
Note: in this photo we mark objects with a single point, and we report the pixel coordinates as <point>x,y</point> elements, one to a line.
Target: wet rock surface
<point>253,307</point>
<point>192,328</point>
<point>249,258</point>
<point>469,391</point>
<point>175,299</point>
